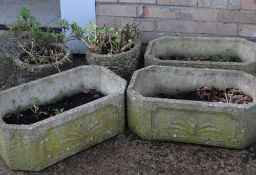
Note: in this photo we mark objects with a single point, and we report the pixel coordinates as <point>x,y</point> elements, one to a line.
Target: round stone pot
<point>123,64</point>
<point>28,72</point>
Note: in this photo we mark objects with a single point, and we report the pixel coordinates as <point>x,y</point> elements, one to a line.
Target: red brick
<point>197,14</point>
<point>158,12</point>
<point>138,1</point>
<point>145,37</point>
<point>185,17</point>
<point>145,25</point>
<point>177,26</point>
<point>116,10</point>
<point>241,16</point>
<point>225,4</point>
<point>247,30</point>
<point>112,1</point>
<point>248,4</point>
<point>216,28</point>
<point>178,2</point>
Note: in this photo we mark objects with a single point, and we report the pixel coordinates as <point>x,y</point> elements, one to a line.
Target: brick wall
<point>47,11</point>
<point>187,17</point>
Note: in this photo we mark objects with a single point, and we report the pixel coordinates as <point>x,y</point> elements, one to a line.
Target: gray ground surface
<point>127,154</point>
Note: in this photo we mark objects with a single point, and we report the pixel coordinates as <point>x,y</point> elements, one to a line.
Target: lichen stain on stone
<point>194,126</point>
<point>137,122</point>
<point>3,151</point>
<point>211,128</point>
<point>77,134</point>
<point>63,141</point>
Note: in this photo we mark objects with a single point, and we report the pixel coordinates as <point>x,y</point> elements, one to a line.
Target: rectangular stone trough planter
<point>39,145</point>
<point>208,123</point>
<point>202,46</point>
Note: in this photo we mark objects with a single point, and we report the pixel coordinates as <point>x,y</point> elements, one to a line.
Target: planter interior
<point>39,145</point>
<point>202,46</point>
<point>210,123</point>
<point>189,80</point>
<point>29,72</point>
<point>55,47</point>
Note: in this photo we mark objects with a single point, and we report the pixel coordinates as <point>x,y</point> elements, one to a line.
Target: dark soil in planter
<point>43,56</point>
<point>228,95</point>
<point>37,113</point>
<point>213,58</point>
<point>79,59</point>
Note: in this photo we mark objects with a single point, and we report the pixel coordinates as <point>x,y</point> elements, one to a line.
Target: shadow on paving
<point>127,154</point>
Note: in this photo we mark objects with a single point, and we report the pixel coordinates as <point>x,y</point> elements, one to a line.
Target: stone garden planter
<point>123,64</point>
<point>28,72</point>
<point>209,123</point>
<point>39,145</point>
<point>202,46</point>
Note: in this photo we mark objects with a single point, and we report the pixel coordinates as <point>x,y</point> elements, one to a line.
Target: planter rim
<point>67,55</point>
<point>137,45</point>
<point>148,50</point>
<point>61,116</point>
<point>201,37</point>
<point>185,103</point>
<point>202,62</point>
<point>70,70</point>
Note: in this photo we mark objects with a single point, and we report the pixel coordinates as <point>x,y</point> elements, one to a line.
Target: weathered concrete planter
<point>28,72</point>
<point>7,66</point>
<point>194,46</point>
<point>216,124</point>
<point>123,64</point>
<point>37,146</point>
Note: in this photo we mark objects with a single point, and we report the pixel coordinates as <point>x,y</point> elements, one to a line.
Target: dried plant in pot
<point>115,48</point>
<point>42,52</point>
